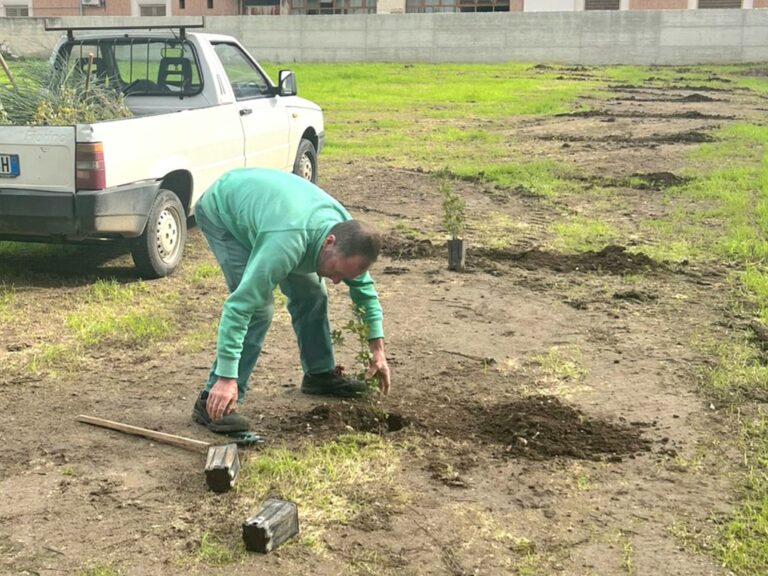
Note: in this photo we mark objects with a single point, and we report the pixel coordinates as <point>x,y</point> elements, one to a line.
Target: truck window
<point>156,67</point>
<point>246,79</point>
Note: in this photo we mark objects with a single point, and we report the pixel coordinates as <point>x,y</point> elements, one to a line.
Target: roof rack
<point>152,24</point>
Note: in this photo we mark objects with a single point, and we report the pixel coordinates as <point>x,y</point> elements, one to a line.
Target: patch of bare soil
<point>545,405</point>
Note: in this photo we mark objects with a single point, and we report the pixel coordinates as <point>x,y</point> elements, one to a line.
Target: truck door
<point>264,117</point>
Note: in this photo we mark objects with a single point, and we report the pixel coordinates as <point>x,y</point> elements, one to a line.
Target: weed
<point>562,364</point>
<point>627,555</point>
<point>68,471</point>
<point>204,271</point>
<point>212,551</point>
<point>54,358</point>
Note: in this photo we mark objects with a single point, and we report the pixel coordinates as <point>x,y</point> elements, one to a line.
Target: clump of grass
<point>204,271</point>
<point>111,290</point>
<point>739,372</point>
<point>54,358</point>
<point>330,483</point>
<point>214,552</point>
<point>562,364</point>
<point>7,296</point>
<point>742,546</point>
<point>583,234</point>
<point>137,327</point>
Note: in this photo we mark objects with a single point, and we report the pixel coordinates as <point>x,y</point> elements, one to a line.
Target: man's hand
<point>379,366</point>
<point>221,398</point>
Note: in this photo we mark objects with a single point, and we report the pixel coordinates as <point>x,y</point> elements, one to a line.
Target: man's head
<point>349,250</point>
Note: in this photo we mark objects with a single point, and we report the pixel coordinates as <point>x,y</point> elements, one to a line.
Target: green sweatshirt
<point>283,220</point>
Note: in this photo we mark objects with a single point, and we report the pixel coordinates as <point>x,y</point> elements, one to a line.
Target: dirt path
<point>511,467</point>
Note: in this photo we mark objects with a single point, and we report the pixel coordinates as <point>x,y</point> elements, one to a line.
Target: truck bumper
<point>113,212</point>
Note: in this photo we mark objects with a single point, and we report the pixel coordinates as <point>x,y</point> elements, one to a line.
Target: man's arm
<point>379,366</point>
<point>363,293</point>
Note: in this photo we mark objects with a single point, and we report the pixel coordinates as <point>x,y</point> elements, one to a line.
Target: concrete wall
<point>604,37</point>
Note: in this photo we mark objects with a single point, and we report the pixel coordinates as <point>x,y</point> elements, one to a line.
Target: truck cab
<point>201,105</point>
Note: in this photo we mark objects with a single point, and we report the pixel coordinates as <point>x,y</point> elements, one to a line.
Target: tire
<point>305,165</point>
<point>158,251</point>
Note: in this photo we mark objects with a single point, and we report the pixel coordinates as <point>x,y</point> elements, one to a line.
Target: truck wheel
<point>306,161</point>
<point>157,252</point>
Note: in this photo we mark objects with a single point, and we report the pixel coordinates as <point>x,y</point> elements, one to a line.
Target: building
<point>45,8</point>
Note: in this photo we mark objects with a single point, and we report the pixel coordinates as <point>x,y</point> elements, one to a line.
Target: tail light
<point>89,166</point>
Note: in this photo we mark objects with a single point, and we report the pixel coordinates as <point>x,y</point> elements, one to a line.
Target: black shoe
<point>333,384</point>
<point>232,422</point>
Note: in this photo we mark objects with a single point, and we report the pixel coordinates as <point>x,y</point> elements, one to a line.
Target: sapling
<point>358,329</point>
<point>454,219</point>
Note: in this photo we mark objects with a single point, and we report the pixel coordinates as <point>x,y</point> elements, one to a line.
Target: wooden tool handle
<point>189,443</point>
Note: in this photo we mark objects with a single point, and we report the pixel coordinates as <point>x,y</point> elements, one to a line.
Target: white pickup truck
<point>202,106</point>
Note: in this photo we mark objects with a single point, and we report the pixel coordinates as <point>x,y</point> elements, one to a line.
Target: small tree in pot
<point>454,220</point>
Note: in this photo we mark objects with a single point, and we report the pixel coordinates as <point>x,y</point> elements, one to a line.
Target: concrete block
<point>352,40</point>
<point>754,54</point>
<point>755,36</point>
<point>399,38</point>
<point>701,37</point>
<point>702,55</point>
<point>696,18</point>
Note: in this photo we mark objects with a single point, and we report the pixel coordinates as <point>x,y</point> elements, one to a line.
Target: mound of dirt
<point>697,98</point>
<point>358,417</point>
<point>540,427</point>
<point>609,260</point>
<point>660,180</point>
<point>402,247</point>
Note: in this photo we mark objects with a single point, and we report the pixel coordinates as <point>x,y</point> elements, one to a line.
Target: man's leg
<point>232,258</point>
<point>308,306</point>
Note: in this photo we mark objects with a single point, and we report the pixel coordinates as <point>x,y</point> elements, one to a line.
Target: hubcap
<point>167,235</point>
<point>305,167</point>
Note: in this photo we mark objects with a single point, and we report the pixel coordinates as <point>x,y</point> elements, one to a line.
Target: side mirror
<point>287,85</point>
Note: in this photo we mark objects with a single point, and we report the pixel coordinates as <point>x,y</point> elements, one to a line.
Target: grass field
<point>453,121</point>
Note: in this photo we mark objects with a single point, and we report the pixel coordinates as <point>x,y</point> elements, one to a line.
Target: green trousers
<point>307,304</point>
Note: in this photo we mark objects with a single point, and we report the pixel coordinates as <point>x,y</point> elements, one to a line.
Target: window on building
<point>484,5</point>
<point>424,6</point>
<point>210,4</point>
<point>182,4</point>
<point>333,6</point>
<point>714,4</point>
<point>602,4</point>
<point>16,11</point>
<point>152,10</point>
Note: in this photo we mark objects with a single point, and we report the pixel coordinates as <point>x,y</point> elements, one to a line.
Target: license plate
<point>9,165</point>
